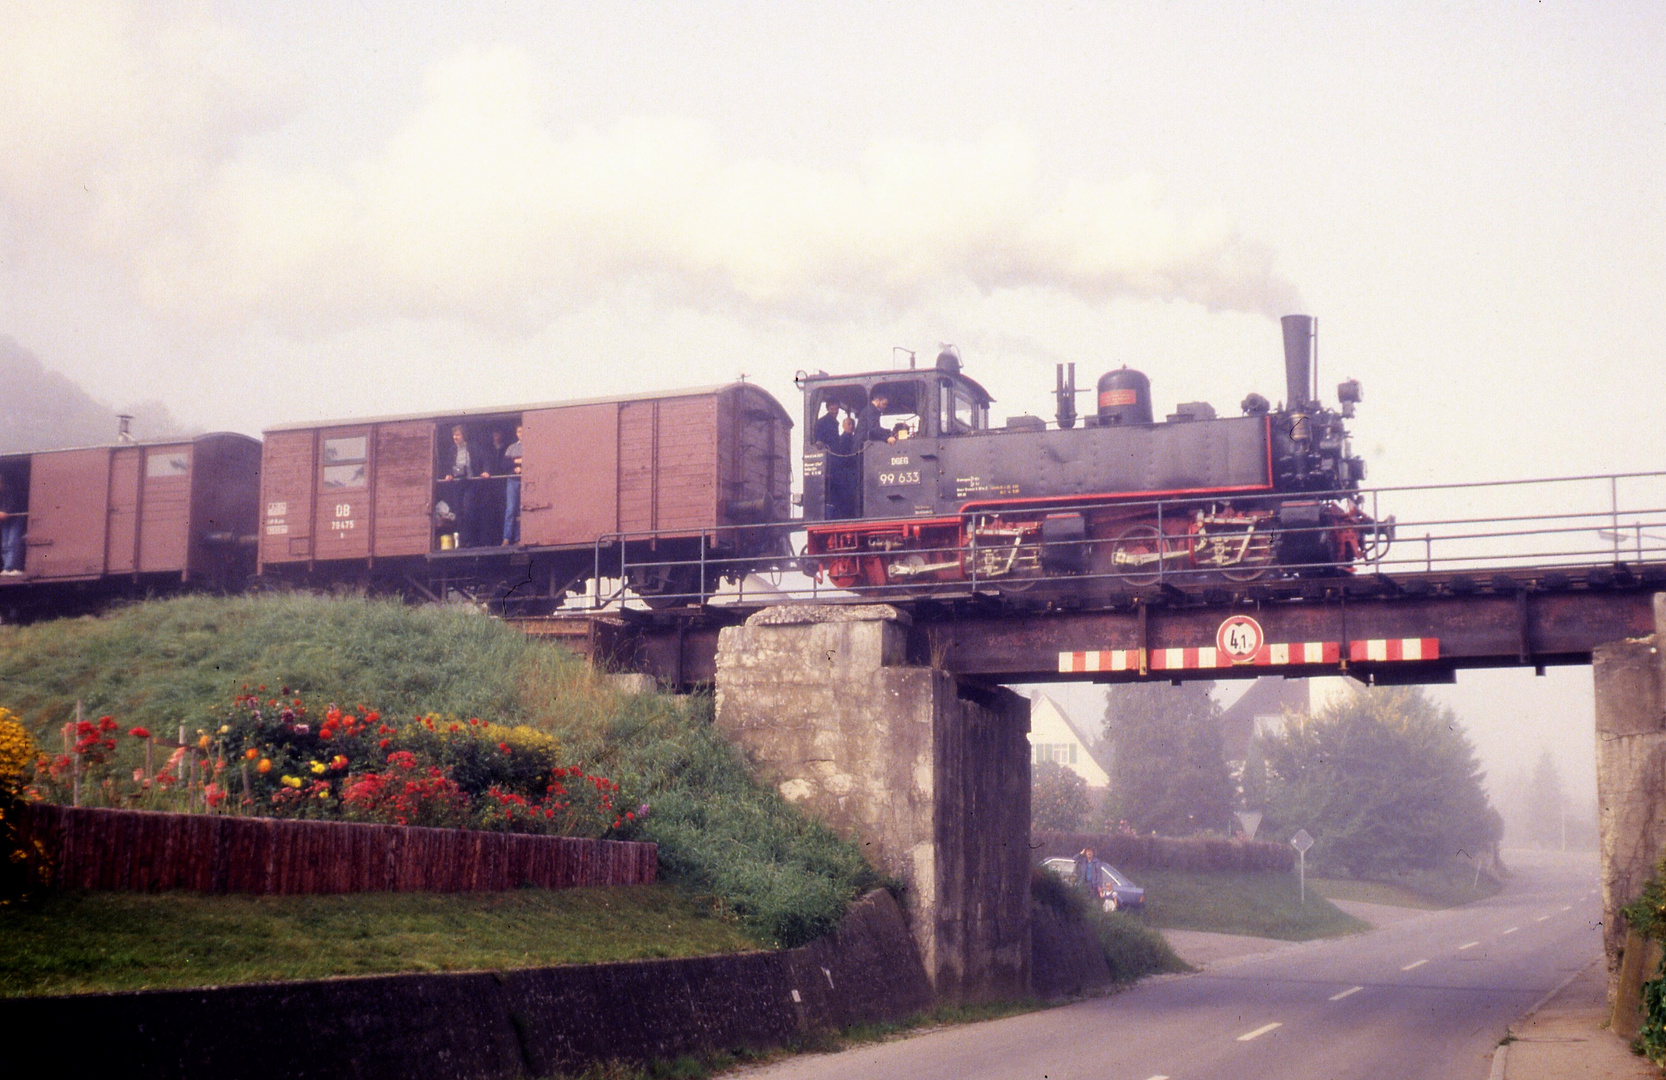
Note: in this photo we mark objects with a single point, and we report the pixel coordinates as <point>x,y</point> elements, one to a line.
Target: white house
<point>1055,737</point>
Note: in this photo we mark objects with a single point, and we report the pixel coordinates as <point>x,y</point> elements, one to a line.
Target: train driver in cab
<point>869,427</point>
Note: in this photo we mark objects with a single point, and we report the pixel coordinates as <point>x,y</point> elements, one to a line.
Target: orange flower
<point>265,766</point>
<point>251,753</point>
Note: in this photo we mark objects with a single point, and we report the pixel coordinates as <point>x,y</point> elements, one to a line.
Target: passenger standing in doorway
<point>461,472</point>
<point>512,490</point>
<point>13,517</point>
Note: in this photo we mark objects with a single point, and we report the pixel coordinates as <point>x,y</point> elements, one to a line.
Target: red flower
<point>140,733</point>
<point>504,747</point>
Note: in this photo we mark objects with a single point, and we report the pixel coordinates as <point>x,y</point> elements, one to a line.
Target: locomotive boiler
<point>1113,499</point>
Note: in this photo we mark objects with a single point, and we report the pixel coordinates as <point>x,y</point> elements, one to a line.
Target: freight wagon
<point>133,518</point>
<point>649,489</point>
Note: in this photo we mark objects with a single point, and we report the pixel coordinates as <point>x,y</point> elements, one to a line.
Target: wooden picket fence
<point>146,851</point>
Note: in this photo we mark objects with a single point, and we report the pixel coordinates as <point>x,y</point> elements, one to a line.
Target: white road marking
<point>1511,930</point>
<point>1414,964</point>
<point>1567,907</point>
<point>1471,945</point>
<point>1541,918</point>
<point>1258,1032</point>
<point>1159,1076</point>
<point>1345,993</point>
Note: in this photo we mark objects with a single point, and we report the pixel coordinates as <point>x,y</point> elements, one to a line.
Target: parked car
<point>1113,888</point>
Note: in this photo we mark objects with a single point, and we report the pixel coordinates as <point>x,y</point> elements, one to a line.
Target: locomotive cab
<point>921,407</point>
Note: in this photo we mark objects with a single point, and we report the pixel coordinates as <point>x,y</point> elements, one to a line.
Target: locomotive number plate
<point>899,479</point>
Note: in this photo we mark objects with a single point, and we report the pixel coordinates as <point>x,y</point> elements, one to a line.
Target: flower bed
<point>271,757</point>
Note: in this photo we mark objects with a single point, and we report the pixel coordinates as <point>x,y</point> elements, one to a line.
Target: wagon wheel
<point>662,587</point>
<point>1137,555</point>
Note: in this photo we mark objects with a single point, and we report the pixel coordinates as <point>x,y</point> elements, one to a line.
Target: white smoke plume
<point>478,209</point>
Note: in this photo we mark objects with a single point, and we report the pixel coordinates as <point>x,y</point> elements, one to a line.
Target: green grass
<point>164,663</point>
<point>1430,890</point>
<point>1253,905</point>
<point>89,942</point>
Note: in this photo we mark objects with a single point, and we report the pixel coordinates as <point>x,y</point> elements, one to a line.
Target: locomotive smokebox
<point>1298,360</point>
<point>1124,397</point>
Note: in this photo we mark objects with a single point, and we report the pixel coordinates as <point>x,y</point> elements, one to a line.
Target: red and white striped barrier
<point>1373,650</point>
<point>1394,648</point>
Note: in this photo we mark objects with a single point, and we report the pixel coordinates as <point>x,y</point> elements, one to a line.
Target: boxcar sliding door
<point>570,473</point>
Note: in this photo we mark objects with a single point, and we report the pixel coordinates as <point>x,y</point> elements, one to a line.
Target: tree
<point>1385,781</point>
<point>1544,804</point>
<point>1168,769</point>
<point>1059,799</point>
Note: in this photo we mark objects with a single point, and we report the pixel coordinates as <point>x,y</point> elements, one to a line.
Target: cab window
<point>960,415</point>
<point>902,405</point>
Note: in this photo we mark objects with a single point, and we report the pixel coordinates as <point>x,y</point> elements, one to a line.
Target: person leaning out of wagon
<point>13,518</point>
<point>512,490</point>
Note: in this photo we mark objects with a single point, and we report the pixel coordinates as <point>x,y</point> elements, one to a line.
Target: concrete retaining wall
<point>489,1025</point>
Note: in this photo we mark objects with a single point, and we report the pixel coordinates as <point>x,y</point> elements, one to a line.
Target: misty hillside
<point>43,410</point>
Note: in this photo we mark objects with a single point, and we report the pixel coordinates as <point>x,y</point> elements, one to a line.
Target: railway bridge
<point>890,719</point>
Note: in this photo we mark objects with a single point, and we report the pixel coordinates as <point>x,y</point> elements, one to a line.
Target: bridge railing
<point>1565,525</point>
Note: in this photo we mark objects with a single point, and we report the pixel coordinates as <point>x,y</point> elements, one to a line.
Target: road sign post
<point>1301,842</point>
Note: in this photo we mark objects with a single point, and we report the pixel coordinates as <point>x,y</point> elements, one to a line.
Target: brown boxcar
<point>178,510</point>
<point>678,471</point>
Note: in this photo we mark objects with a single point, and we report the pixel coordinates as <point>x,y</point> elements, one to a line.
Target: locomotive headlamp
<point>1349,394</point>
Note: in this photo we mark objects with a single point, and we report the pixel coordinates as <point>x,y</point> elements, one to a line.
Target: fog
<point>254,215</point>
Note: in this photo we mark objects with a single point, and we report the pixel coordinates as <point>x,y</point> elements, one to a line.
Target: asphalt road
<point>1426,996</point>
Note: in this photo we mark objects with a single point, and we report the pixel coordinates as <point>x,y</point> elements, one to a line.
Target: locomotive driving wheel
<point>1137,554</point>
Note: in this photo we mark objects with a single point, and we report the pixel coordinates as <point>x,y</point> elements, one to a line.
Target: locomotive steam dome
<point>1124,397</point>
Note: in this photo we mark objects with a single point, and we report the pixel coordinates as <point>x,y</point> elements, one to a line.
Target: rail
<point>1499,535</point>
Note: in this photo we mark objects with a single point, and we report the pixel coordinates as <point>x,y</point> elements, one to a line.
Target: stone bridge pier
<point>930,776</point>
<point>1630,685</point>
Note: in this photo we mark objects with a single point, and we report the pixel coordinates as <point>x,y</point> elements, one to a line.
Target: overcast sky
<point>263,213</point>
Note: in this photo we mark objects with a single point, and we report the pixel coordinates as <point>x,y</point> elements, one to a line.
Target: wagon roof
<point>180,440</point>
<point>459,414</point>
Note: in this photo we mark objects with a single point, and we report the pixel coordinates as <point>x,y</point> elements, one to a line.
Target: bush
<point>25,869</point>
<point>1647,916</point>
<point>1132,949</point>
<point>1127,851</point>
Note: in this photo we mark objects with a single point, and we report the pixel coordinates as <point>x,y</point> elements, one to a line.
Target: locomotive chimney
<point>1065,392</point>
<point>124,428</point>
<point>1298,360</point>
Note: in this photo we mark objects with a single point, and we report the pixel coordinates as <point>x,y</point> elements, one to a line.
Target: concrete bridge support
<point>1630,678</point>
<point>930,776</point>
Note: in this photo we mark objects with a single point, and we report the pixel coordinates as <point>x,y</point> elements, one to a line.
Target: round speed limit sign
<point>1240,638</point>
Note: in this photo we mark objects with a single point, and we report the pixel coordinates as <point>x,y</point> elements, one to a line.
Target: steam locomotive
<point>668,494</point>
<point>1106,501</point>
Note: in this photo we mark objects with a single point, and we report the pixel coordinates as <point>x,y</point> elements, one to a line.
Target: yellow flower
<point>318,768</point>
<point>224,728</point>
<point>17,751</point>
<point>202,742</point>
<point>292,781</point>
